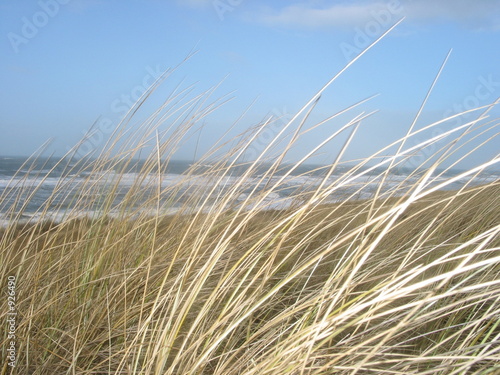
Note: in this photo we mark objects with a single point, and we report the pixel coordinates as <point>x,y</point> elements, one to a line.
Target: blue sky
<point>67,63</point>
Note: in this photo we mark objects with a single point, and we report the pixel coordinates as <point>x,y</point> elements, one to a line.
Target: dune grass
<point>281,295</point>
<point>403,282</point>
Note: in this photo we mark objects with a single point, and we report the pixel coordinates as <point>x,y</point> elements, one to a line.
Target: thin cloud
<point>81,6</point>
<point>308,16</point>
<point>20,70</point>
<point>473,14</point>
<point>196,4</point>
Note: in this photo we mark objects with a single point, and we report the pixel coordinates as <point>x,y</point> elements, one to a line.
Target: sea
<point>48,188</point>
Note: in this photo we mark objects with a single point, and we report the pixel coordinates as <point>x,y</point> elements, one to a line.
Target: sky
<point>69,64</point>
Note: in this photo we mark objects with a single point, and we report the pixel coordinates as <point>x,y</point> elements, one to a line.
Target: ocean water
<point>55,190</point>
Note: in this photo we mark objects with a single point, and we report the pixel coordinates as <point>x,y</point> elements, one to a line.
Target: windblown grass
<point>405,282</point>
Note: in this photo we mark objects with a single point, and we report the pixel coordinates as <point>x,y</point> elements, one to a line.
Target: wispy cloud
<point>196,4</point>
<point>310,16</point>
<point>19,69</point>
<point>81,6</point>
<point>474,14</point>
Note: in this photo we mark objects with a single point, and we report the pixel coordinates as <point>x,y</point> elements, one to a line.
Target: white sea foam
<point>280,192</point>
